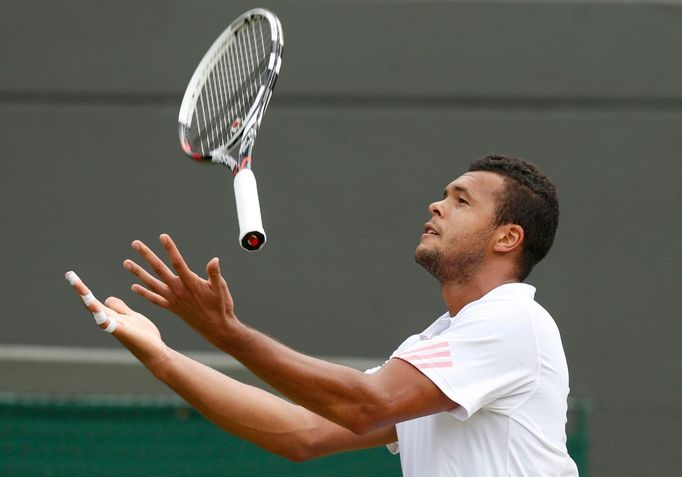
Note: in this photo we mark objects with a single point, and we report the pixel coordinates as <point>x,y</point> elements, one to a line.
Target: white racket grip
<point>251,233</point>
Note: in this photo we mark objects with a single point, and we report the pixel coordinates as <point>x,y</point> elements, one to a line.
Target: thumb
<point>118,305</point>
<point>213,272</point>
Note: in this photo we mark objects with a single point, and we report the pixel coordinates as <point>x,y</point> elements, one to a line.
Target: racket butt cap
<point>253,241</point>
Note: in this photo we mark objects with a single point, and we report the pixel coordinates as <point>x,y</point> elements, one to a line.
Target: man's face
<point>457,239</point>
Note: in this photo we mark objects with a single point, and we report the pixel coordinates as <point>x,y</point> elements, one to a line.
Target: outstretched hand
<point>205,305</point>
<point>133,330</point>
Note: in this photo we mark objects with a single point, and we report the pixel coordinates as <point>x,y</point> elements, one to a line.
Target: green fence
<point>135,436</point>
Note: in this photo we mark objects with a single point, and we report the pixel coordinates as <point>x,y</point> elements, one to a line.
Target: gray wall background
<point>379,105</point>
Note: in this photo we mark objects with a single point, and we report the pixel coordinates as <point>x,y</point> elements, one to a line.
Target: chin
<point>421,249</point>
<point>424,255</point>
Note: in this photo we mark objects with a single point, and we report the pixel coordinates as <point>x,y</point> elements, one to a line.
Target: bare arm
<point>357,401</point>
<point>246,411</point>
<point>258,416</point>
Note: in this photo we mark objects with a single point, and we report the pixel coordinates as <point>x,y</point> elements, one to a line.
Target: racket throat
<point>224,158</point>
<point>246,145</point>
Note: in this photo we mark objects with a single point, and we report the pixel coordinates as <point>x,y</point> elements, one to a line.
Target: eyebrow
<point>457,188</point>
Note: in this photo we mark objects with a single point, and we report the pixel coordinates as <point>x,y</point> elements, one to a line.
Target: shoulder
<point>500,312</point>
<point>504,321</point>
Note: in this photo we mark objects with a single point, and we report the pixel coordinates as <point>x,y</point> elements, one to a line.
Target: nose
<point>436,208</point>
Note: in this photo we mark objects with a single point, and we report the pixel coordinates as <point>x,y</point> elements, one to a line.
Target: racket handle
<point>251,233</point>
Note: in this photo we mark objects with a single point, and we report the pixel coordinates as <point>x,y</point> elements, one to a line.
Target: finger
<point>110,326</point>
<point>160,268</point>
<point>215,279</point>
<point>78,285</point>
<point>176,259</point>
<point>154,284</point>
<point>91,303</point>
<point>118,305</point>
<point>102,319</point>
<point>150,296</point>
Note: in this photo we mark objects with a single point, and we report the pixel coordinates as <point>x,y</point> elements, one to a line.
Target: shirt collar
<point>507,289</point>
<point>514,289</point>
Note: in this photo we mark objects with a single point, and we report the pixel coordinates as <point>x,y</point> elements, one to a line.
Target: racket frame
<point>245,136</point>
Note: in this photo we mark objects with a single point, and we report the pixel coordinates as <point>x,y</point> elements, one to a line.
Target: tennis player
<point>480,392</point>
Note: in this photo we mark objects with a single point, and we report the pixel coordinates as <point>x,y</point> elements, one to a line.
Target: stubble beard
<point>450,265</point>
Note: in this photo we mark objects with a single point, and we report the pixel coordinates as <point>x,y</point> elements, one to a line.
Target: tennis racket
<point>224,104</point>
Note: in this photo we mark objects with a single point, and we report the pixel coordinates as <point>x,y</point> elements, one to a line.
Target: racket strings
<point>231,87</point>
<point>211,124</point>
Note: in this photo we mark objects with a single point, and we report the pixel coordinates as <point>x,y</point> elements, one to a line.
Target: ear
<point>509,238</point>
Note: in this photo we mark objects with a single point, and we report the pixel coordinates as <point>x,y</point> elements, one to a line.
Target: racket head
<point>231,87</point>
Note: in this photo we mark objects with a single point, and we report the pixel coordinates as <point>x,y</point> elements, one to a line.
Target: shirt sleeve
<point>487,358</point>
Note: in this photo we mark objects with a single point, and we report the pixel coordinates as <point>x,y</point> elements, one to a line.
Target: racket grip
<point>251,233</point>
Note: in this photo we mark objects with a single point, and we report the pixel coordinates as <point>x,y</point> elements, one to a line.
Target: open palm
<point>134,330</point>
<point>205,305</point>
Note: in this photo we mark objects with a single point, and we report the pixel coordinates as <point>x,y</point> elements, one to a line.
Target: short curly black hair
<point>530,200</point>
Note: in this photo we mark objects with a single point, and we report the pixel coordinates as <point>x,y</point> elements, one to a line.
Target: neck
<point>457,295</point>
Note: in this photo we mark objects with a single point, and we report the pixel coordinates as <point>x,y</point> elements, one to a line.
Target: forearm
<point>256,415</point>
<point>338,393</point>
<point>354,400</point>
<point>245,411</point>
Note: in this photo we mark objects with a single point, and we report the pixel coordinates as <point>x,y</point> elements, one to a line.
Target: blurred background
<point>378,106</point>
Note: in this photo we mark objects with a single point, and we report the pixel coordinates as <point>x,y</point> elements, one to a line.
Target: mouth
<point>429,229</point>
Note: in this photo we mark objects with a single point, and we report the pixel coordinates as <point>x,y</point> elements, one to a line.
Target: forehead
<point>479,184</point>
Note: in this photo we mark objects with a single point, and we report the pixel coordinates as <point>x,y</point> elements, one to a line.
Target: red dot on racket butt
<point>253,241</point>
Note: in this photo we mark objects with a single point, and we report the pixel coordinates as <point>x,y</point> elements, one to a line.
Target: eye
<point>462,201</point>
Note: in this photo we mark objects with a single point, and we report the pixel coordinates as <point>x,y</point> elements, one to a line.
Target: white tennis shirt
<point>501,359</point>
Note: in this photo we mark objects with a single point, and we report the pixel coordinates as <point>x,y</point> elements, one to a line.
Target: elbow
<point>365,419</point>
<point>368,414</point>
<point>305,450</point>
<point>297,455</point>
<point>291,453</point>
<point>300,448</point>
<point>362,425</point>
